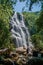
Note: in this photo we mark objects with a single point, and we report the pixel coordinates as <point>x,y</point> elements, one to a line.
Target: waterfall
<point>19,31</point>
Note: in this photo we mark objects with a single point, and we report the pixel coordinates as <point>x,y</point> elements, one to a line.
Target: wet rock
<point>23,61</point>
<point>20,50</point>
<point>14,56</point>
<point>6,61</point>
<point>18,56</point>
<point>3,50</point>
<point>30,54</point>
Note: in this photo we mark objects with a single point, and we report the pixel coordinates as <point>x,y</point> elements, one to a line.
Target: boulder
<point>20,50</point>
<point>5,51</point>
<point>14,56</point>
<point>8,61</point>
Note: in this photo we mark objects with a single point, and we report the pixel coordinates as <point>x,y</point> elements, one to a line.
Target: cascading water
<point>20,34</point>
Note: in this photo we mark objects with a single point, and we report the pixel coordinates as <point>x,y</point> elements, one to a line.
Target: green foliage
<point>6,11</point>
<point>34,21</point>
<point>4,33</point>
<point>39,22</point>
<point>30,19</point>
<point>38,40</point>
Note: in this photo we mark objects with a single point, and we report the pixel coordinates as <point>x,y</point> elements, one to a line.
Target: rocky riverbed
<point>19,57</point>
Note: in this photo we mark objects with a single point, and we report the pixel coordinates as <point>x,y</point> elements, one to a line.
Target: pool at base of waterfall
<point>35,61</point>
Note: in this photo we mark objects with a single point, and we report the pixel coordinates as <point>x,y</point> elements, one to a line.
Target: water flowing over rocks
<point>21,38</point>
<point>19,31</point>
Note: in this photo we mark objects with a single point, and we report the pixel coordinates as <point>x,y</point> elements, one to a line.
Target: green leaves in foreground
<point>6,11</point>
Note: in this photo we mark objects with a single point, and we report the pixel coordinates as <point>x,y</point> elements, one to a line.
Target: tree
<point>6,10</point>
<point>34,22</point>
<point>39,22</point>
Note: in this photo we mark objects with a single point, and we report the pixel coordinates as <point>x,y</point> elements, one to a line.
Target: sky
<point>20,5</point>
